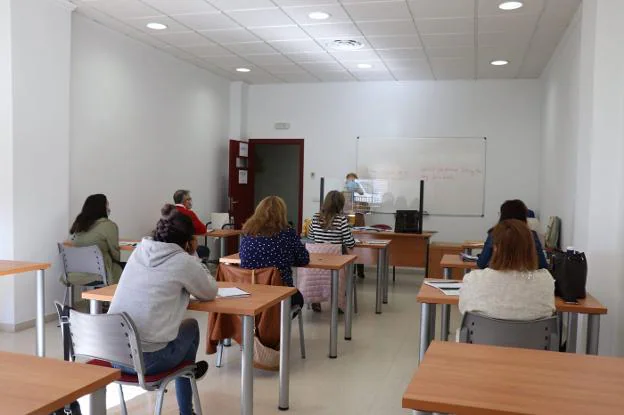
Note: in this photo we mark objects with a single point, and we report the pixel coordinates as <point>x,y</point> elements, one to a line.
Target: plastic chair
<point>295,311</point>
<point>81,259</point>
<point>112,339</point>
<point>542,334</point>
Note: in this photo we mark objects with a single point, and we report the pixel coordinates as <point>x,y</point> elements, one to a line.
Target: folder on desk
<point>447,287</point>
<point>232,292</point>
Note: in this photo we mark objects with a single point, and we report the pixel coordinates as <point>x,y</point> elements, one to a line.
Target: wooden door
<point>240,182</point>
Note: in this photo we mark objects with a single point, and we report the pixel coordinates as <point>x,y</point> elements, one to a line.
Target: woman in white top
<point>512,287</point>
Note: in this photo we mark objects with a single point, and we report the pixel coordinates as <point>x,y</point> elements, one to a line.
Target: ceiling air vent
<point>346,44</point>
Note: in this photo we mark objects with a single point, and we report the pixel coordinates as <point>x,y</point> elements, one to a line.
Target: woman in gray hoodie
<point>154,290</point>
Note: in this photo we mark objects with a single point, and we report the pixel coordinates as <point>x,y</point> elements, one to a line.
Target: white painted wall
<point>330,117</point>
<point>143,125</point>
<point>560,132</point>
<point>41,36</point>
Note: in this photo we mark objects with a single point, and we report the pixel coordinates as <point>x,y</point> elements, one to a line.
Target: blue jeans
<point>183,347</point>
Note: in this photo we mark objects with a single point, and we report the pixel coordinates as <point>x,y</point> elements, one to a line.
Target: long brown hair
<point>514,248</point>
<point>332,206</point>
<point>268,219</point>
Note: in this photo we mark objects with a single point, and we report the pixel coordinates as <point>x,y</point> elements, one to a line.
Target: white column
<point>239,92</point>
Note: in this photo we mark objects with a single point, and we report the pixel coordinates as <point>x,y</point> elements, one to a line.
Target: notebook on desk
<point>447,287</point>
<point>232,292</point>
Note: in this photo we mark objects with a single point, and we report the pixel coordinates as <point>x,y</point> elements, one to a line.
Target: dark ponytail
<point>173,227</point>
<point>94,208</point>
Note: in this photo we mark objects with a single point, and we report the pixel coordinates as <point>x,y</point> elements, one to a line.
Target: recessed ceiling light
<point>345,44</point>
<point>156,26</point>
<point>364,65</point>
<point>510,5</point>
<point>499,62</point>
<point>319,15</point>
<point>243,70</point>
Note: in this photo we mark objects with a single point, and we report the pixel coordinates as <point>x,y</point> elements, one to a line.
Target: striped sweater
<point>338,233</point>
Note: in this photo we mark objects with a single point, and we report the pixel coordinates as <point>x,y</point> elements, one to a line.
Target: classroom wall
<point>143,125</point>
<point>560,132</point>
<point>330,116</point>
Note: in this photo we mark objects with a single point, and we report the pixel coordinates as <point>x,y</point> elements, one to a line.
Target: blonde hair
<point>332,206</point>
<point>268,219</point>
<point>514,247</point>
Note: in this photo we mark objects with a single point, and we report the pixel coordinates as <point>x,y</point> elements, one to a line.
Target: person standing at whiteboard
<point>353,185</point>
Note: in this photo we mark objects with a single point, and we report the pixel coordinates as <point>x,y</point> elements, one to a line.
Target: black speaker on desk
<point>407,221</point>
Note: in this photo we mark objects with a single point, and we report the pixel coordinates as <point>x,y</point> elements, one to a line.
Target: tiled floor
<point>368,377</point>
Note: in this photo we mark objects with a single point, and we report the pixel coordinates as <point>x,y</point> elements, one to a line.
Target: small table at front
<point>261,298</point>
<point>459,378</point>
<point>429,297</point>
<point>362,250</point>
<point>19,267</point>
<point>223,234</point>
<point>334,263</point>
<point>35,385</point>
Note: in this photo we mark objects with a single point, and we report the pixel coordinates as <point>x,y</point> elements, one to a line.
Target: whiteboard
<point>453,169</point>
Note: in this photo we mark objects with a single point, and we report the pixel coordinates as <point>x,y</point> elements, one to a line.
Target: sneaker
<point>201,368</point>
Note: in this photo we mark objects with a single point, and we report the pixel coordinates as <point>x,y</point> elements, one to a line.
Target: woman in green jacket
<point>92,227</point>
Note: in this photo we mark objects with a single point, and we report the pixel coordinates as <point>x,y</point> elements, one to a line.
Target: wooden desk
<point>35,385</point>
<point>262,297</point>
<point>468,246</point>
<point>8,268</point>
<point>333,263</point>
<point>450,262</point>
<point>468,379</point>
<point>379,254</point>
<point>429,297</point>
<point>222,235</point>
<point>406,250</point>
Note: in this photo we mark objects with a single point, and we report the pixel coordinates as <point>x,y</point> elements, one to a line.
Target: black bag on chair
<point>63,314</point>
<point>570,272</point>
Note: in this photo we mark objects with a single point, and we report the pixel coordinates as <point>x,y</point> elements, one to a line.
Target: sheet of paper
<point>231,292</point>
<point>444,284</point>
<point>122,243</point>
<point>242,177</point>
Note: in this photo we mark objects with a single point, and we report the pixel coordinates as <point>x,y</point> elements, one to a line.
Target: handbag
<point>63,314</point>
<point>264,357</point>
<point>570,272</point>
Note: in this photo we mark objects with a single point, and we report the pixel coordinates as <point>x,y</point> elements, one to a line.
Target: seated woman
<point>154,290</point>
<point>512,287</point>
<point>331,226</point>
<point>512,209</point>
<point>92,227</point>
<point>268,241</point>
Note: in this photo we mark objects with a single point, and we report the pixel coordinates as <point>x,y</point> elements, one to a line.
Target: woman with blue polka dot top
<point>268,241</point>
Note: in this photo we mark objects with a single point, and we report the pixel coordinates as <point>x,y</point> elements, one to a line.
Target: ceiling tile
<point>332,30</point>
<point>559,12</point>
<point>109,21</point>
<point>206,21</point>
<point>390,42</point>
<point>172,7</point>
<point>284,68</point>
<point>228,5</point>
<point>300,14</point>
<point>504,39</point>
<point>261,17</point>
<point>125,9</point>
<point>322,66</point>
<point>452,52</point>
<point>450,25</point>
<point>453,68</point>
<point>336,76</point>
<point>251,48</point>
<point>184,39</point>
<point>490,8</point>
<point>291,3</point>
<point>311,57</point>
<point>357,55</point>
<point>448,40</point>
<point>298,77</point>
<point>207,51</point>
<point>442,8</point>
<point>258,76</point>
<point>237,35</point>
<point>402,64</point>
<point>388,28</point>
<point>415,53</point>
<point>268,59</point>
<point>141,24</point>
<point>280,33</point>
<point>487,55</point>
<point>508,23</point>
<point>377,66</point>
<point>413,74</point>
<point>229,63</point>
<point>378,10</point>
<point>296,46</point>
<point>151,40</point>
<point>374,76</point>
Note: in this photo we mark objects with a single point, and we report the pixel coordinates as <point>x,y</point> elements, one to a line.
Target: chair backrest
<point>220,220</point>
<point>232,273</point>
<point>82,259</point>
<point>324,248</point>
<point>109,337</point>
<point>539,334</point>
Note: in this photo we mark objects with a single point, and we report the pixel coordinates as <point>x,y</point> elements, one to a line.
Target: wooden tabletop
<point>588,305</point>
<point>380,244</point>
<point>472,245</point>
<point>128,247</point>
<point>455,261</point>
<point>391,234</point>
<point>317,261</point>
<point>36,385</point>
<point>222,233</point>
<point>18,267</point>
<point>261,298</point>
<point>468,379</point>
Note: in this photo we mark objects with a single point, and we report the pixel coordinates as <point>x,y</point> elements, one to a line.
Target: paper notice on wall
<point>243,149</point>
<point>242,177</point>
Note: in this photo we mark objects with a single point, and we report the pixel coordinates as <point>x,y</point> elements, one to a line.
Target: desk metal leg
<point>247,366</point>
<point>446,311</point>
<point>380,283</point>
<point>572,326</point>
<point>349,311</point>
<point>97,402</point>
<point>284,369</point>
<point>40,313</point>
<point>432,322</point>
<point>223,246</point>
<point>333,329</point>
<point>385,274</point>
<point>425,328</point>
<point>95,307</point>
<point>593,333</point>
